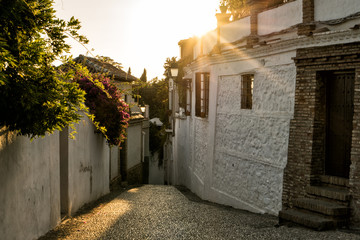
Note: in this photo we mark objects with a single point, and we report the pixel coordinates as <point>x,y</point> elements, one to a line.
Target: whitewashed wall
<point>205,44</point>
<point>280,18</point>
<point>30,189</point>
<point>235,31</point>
<point>114,162</point>
<point>134,145</point>
<point>237,156</point>
<point>42,177</point>
<point>88,166</point>
<point>334,9</point>
<point>251,145</point>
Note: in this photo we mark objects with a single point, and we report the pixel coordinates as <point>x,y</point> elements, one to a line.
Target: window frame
<point>202,90</point>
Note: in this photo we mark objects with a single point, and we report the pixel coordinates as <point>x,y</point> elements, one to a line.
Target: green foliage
<point>143,77</point>
<point>111,113</point>
<point>240,8</point>
<point>157,140</point>
<point>237,8</point>
<point>110,61</point>
<point>36,98</point>
<point>155,93</point>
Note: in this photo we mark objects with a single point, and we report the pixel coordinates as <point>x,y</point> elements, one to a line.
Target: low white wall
<point>134,145</point>
<point>114,162</point>
<point>209,41</point>
<point>88,166</point>
<point>280,18</point>
<point>30,189</point>
<point>334,9</point>
<point>205,44</point>
<point>235,30</point>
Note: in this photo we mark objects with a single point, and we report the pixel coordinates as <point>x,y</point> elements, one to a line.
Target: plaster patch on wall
<point>251,145</point>
<point>201,148</point>
<point>261,138</point>
<point>254,183</point>
<point>229,89</point>
<point>274,89</point>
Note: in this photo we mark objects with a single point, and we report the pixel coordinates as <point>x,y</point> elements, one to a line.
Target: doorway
<point>339,118</point>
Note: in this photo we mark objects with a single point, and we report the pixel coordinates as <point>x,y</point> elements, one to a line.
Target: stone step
<point>306,219</point>
<point>332,180</point>
<point>321,206</point>
<point>329,192</point>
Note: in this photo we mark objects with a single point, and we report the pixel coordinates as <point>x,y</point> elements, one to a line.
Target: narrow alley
<point>164,212</point>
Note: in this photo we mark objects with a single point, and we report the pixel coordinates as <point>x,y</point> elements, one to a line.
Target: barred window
<point>202,94</point>
<point>188,82</point>
<point>247,91</point>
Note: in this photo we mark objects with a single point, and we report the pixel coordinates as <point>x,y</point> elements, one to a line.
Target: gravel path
<point>163,212</point>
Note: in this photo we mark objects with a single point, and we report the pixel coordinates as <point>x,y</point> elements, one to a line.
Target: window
<point>202,94</point>
<point>187,98</point>
<point>247,91</point>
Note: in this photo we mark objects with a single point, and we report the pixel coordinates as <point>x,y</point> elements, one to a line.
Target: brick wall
<point>308,18</point>
<point>306,152</point>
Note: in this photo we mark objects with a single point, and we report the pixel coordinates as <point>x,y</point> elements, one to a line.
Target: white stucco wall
<point>280,18</point>
<point>235,30</point>
<point>237,156</point>
<point>88,161</point>
<point>251,145</point>
<point>334,9</point>
<point>134,145</point>
<point>205,44</point>
<point>209,41</point>
<point>30,189</point>
<point>114,162</point>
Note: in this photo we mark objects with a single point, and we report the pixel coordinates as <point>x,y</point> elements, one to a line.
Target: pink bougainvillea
<point>104,101</point>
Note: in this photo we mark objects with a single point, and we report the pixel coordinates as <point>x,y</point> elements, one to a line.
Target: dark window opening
<point>247,82</point>
<point>202,94</point>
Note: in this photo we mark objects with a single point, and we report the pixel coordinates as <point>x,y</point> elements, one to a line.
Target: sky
<point>138,33</point>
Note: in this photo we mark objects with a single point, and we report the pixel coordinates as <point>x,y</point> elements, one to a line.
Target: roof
<point>96,65</point>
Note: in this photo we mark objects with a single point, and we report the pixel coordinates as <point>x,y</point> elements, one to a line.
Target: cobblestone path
<point>163,212</point>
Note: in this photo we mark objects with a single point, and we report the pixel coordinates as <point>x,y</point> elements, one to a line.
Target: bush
<point>111,113</point>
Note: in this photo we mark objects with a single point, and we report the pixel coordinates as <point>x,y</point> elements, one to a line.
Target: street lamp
<point>172,90</point>
<point>174,71</point>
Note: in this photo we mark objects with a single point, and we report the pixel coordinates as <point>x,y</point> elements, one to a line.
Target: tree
<point>35,97</point>
<point>155,93</point>
<point>110,61</point>
<point>143,77</point>
<point>169,62</point>
<point>237,8</point>
<point>240,8</point>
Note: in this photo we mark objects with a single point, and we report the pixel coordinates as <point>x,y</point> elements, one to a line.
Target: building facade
<point>272,110</point>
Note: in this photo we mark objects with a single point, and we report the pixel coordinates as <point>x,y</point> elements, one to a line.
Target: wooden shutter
<point>198,94</point>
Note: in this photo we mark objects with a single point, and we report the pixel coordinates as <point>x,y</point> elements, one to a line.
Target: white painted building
<point>232,147</point>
